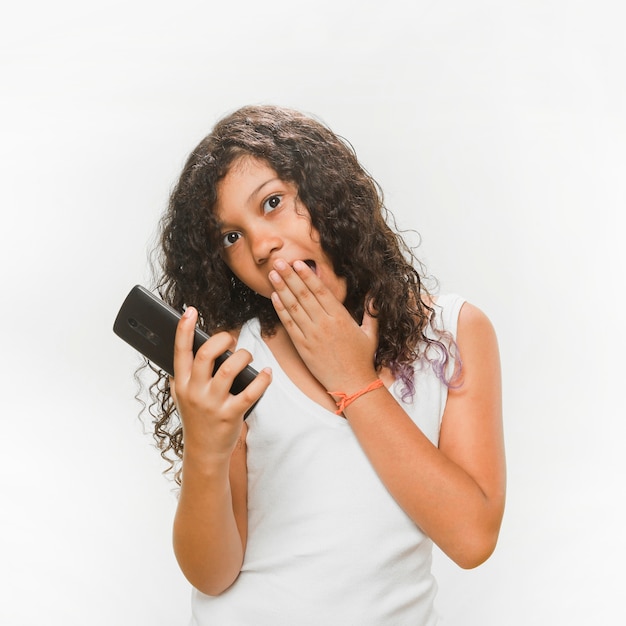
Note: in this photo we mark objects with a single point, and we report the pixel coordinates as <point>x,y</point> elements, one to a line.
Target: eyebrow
<point>267,182</point>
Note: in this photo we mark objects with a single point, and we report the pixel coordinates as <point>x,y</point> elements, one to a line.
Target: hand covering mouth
<point>312,264</point>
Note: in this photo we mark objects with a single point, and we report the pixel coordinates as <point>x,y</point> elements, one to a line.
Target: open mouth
<point>311,264</point>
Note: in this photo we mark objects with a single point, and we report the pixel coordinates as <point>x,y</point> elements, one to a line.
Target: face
<point>263,220</point>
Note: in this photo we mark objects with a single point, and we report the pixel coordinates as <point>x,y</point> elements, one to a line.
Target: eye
<point>271,203</point>
<point>230,238</point>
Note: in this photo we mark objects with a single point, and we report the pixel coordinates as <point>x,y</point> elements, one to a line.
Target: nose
<point>265,241</point>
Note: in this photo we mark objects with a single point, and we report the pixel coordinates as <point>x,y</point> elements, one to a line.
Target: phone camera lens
<point>132,322</point>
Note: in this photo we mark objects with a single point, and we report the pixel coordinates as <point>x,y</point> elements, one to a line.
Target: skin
<point>455,492</point>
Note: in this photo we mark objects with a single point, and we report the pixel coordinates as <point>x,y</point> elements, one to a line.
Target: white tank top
<point>327,544</point>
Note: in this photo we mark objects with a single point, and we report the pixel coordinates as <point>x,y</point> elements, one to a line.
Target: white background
<point>497,131</point>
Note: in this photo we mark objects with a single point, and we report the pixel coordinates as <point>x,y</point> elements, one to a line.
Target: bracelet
<point>345,400</point>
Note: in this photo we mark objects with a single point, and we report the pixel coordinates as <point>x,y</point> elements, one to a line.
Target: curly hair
<point>346,208</point>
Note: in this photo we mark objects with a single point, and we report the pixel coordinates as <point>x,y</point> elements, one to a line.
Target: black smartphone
<point>148,324</point>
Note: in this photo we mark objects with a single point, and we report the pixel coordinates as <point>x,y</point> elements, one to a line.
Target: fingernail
<point>280,264</point>
<point>276,300</point>
<point>274,276</point>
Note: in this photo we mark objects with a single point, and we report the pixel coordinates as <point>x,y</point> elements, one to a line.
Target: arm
<point>455,492</point>
<point>210,525</point>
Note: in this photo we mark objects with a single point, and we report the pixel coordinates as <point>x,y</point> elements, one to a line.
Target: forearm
<point>458,513</point>
<point>208,541</point>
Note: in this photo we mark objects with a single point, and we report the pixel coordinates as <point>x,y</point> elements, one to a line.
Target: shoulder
<point>467,317</point>
<point>473,325</point>
<point>478,350</point>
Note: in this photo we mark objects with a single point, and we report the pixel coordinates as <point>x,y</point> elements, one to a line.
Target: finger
<point>289,310</point>
<point>172,389</point>
<point>228,370</point>
<point>290,289</point>
<point>246,398</point>
<point>323,296</point>
<point>301,293</point>
<point>183,344</point>
<point>205,358</point>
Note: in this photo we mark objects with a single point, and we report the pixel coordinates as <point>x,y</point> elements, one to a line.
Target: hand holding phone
<point>148,324</point>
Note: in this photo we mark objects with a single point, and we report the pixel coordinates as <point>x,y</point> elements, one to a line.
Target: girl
<point>378,424</point>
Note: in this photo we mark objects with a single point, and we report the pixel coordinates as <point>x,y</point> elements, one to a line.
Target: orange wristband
<point>345,400</point>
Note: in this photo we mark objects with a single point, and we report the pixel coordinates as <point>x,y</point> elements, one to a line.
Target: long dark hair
<point>346,208</point>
